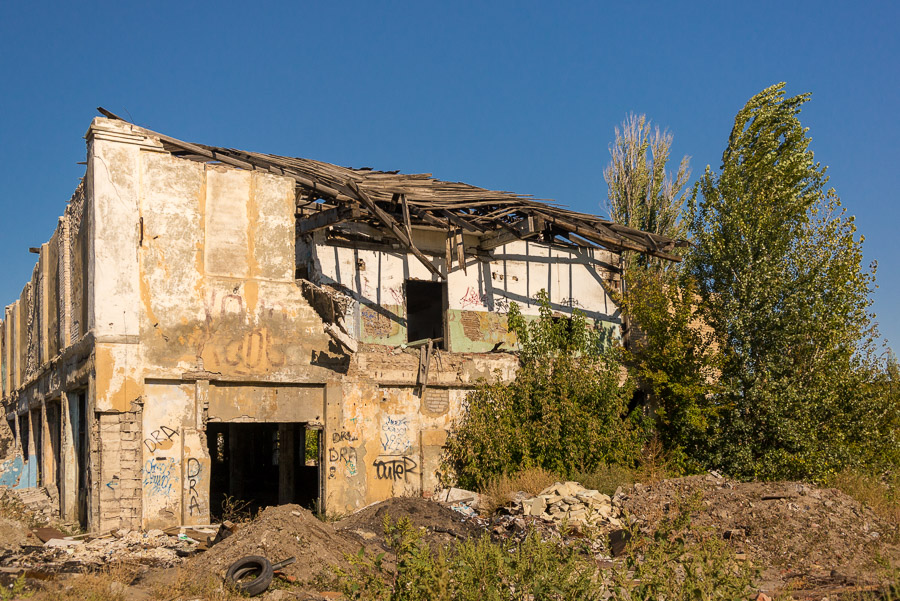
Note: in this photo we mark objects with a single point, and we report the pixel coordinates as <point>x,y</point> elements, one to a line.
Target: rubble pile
<point>39,502</point>
<point>571,504</point>
<point>153,547</point>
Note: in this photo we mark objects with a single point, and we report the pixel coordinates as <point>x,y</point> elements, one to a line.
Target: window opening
<point>425,315</point>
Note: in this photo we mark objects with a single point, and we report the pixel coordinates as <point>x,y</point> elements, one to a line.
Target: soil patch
<point>800,535</point>
<point>14,534</point>
<point>442,525</point>
<point>276,534</point>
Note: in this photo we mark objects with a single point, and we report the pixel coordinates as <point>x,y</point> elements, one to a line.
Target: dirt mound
<point>442,525</point>
<point>278,533</point>
<point>797,533</point>
<point>14,534</point>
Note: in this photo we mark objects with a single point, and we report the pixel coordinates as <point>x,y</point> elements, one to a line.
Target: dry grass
<point>194,586</point>
<point>881,494</point>
<point>500,491</point>
<point>108,584</point>
<point>606,479</point>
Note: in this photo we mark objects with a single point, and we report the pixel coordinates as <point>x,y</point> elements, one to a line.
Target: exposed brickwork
<point>437,400</point>
<point>120,470</point>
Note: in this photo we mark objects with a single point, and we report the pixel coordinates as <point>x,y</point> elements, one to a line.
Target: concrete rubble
<point>570,504</point>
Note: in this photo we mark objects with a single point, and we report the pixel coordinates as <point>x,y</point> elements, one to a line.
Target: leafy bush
<point>566,410</point>
<point>675,359</point>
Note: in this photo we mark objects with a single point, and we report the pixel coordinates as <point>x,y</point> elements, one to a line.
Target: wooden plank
<point>406,216</point>
<point>460,222</point>
<point>448,251</point>
<point>522,230</point>
<point>323,219</point>
<point>460,249</point>
<point>392,225</point>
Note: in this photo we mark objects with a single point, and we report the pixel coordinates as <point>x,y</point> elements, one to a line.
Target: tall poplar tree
<point>641,193</point>
<point>778,268</point>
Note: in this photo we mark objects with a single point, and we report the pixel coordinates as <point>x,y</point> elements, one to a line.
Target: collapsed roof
<point>394,202</point>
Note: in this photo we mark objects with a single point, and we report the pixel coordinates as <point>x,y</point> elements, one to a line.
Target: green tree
<point>675,360</point>
<point>641,193</point>
<point>778,268</point>
<point>566,410</point>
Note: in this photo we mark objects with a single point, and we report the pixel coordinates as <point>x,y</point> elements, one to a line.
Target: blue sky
<point>515,96</point>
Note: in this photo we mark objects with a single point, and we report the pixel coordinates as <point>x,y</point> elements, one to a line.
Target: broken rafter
<point>322,219</point>
<point>609,240</point>
<point>390,223</point>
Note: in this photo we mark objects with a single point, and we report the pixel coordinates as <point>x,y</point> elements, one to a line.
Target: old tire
<point>246,566</point>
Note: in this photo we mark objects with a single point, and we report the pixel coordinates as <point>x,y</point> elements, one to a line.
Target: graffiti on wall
<point>256,349</point>
<point>395,435</point>
<point>159,476</point>
<point>160,439</point>
<point>194,475</point>
<point>472,298</point>
<point>394,468</point>
<point>345,456</point>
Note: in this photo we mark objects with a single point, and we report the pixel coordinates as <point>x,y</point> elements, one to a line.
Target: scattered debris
<point>795,532</point>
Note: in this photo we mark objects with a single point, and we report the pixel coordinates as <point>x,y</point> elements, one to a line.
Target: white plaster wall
<point>573,278</point>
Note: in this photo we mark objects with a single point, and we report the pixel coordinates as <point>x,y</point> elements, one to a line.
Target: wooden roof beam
<point>611,240</point>
<point>391,224</point>
<point>326,218</point>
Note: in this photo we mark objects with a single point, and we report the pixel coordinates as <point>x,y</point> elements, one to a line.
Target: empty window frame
<point>426,311</point>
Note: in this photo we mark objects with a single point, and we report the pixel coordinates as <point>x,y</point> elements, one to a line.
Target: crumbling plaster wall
<point>203,319</point>
<point>182,274</point>
<point>38,351</point>
<point>383,437</point>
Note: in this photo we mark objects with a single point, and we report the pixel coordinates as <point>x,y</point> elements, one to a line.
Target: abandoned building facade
<point>207,323</point>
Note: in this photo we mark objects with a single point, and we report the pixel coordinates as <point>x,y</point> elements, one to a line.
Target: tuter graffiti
<point>394,468</point>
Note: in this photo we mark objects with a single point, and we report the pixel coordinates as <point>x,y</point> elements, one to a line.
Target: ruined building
<point>208,323</point>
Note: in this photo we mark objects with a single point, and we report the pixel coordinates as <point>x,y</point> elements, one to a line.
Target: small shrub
<point>500,491</point>
<point>15,590</point>
<point>236,510</point>
<point>606,478</point>
<point>476,570</point>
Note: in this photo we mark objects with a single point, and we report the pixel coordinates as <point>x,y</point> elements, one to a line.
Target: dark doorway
<point>25,429</point>
<point>53,429</point>
<point>78,420</point>
<point>37,428</point>
<point>256,465</point>
<point>425,311</point>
